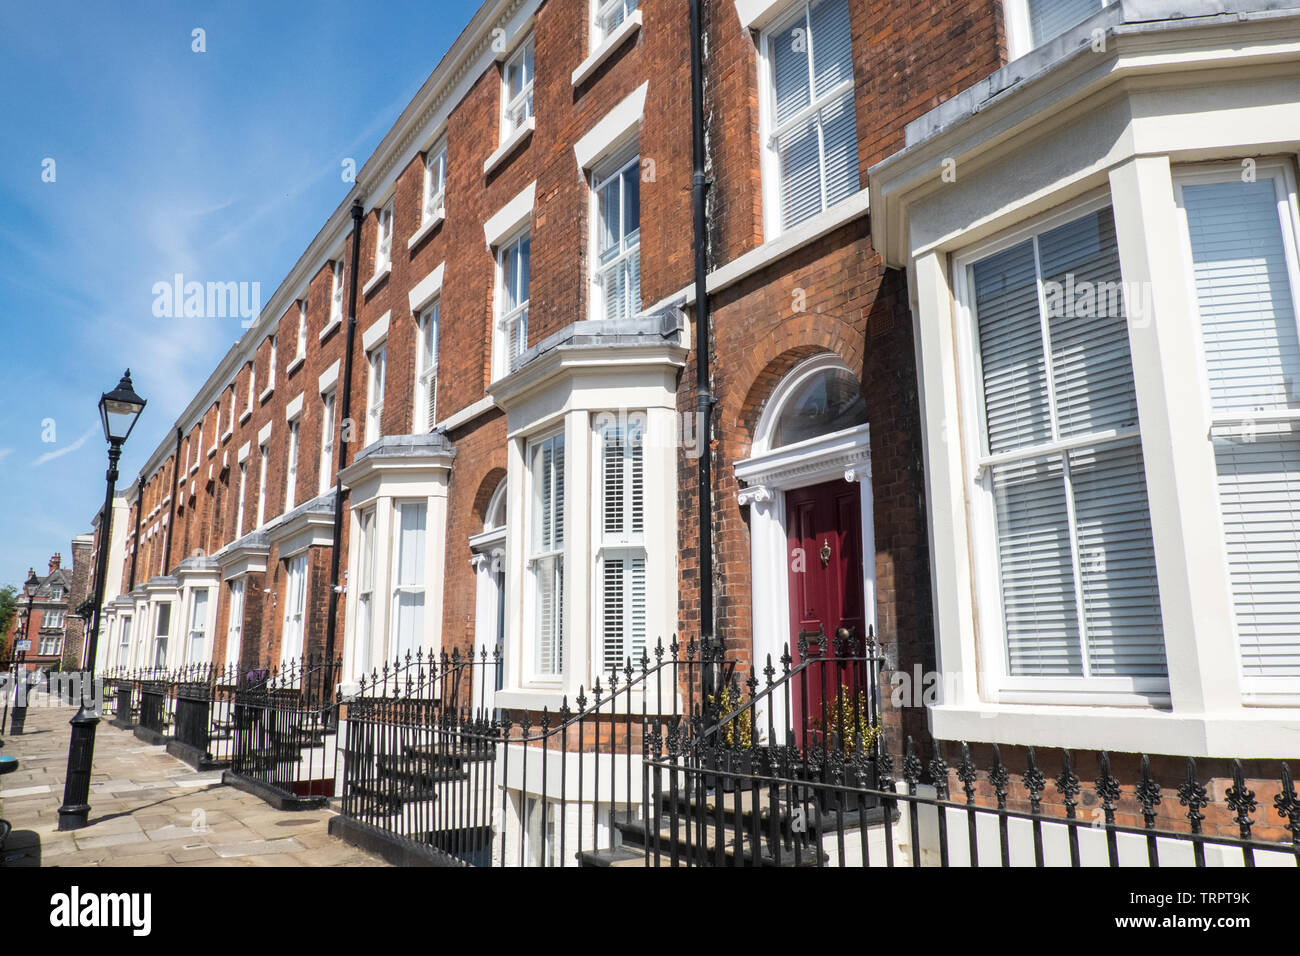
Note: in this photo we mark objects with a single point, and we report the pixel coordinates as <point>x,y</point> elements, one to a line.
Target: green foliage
<point>8,611</point>
<point>739,731</point>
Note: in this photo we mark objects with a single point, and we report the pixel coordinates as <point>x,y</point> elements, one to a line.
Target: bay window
<point>426,381</point>
<point>546,554</point>
<point>617,278</point>
<point>1060,483</point>
<point>512,302</point>
<point>621,554</point>
<point>1241,238</point>
<point>811,128</point>
<point>408,579</point>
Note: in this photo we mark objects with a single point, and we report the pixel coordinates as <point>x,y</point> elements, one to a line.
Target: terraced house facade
<point>1080,516</point>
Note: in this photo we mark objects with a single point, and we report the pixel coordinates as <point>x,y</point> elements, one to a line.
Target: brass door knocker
<point>826,552</point>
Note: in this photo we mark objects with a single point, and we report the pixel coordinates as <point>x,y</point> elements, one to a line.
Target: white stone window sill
<point>297,361</point>
<point>193,468</point>
<point>212,449</point>
<point>226,437</point>
<point>430,224</point>
<point>248,413</point>
<point>530,699</point>
<point>266,393</point>
<point>509,146</point>
<point>329,327</point>
<point>377,278</point>
<point>607,47</point>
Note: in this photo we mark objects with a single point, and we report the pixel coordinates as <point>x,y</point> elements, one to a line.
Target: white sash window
<point>609,15</point>
<point>336,293</point>
<point>512,302</point>
<point>1060,461</point>
<point>426,382</point>
<point>375,396</point>
<point>161,634</point>
<point>812,132</point>
<point>621,559</point>
<point>618,239</point>
<point>546,554</point>
<point>435,181</point>
<point>408,579</point>
<point>295,609</point>
<point>198,627</point>
<point>517,90</point>
<point>262,452</point>
<point>326,440</point>
<point>366,590</point>
<point>291,468</point>
<point>235,623</point>
<point>384,238</point>
<point>1242,239</point>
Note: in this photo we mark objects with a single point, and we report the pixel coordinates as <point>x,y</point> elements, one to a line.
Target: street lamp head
<point>119,410</point>
<point>32,582</point>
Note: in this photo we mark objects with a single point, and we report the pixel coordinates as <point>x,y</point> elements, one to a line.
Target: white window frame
<point>377,359</point>
<point>770,132</point>
<point>435,183</point>
<point>124,642</point>
<point>53,620</point>
<point>426,364</point>
<point>263,451</point>
<point>235,623</point>
<point>625,545</point>
<point>1255,689</point>
<point>384,239</point>
<point>161,640</point>
<point>329,401</point>
<point>534,555</point>
<point>47,640</point>
<point>198,629</point>
<point>239,505</point>
<point>396,587</point>
<point>302,329</point>
<point>505,317</point>
<point>270,375</point>
<point>602,10</point>
<point>367,531</point>
<point>613,169</point>
<point>252,388</point>
<point>1002,686</point>
<point>516,111</point>
<point>336,292</point>
<point>295,609</point>
<point>292,455</point>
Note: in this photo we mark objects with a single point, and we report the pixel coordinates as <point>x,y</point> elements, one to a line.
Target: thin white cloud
<point>51,455</point>
<point>5,453</point>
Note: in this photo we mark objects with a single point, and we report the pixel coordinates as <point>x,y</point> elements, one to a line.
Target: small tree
<point>8,611</point>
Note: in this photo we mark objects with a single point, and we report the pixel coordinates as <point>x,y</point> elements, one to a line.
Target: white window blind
<point>326,440</point>
<point>295,609</point>
<point>618,252</point>
<point>1051,18</point>
<point>235,623</point>
<point>1063,458</point>
<point>198,627</point>
<point>512,324</point>
<point>814,136</point>
<point>517,90</point>
<point>375,398</point>
<point>622,557</point>
<point>426,382</point>
<point>1242,248</point>
<point>546,554</point>
<point>408,579</point>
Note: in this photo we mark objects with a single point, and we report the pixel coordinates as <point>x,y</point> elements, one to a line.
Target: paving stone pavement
<point>148,809</point>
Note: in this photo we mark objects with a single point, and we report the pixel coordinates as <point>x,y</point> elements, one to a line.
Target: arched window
<point>818,397</point>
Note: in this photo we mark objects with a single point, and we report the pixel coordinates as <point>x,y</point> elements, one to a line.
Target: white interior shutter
<point>1248,327</point>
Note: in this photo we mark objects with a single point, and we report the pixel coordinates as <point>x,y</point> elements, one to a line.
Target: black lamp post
<point>19,716</point>
<point>118,411</point>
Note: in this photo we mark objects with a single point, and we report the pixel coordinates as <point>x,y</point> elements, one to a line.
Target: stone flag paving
<point>147,809</point>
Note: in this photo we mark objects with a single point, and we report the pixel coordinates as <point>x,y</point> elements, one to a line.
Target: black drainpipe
<point>139,506</point>
<point>345,413</point>
<point>171,506</point>
<point>703,392</point>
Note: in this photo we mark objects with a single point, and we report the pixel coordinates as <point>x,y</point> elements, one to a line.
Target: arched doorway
<point>488,549</point>
<point>812,524</point>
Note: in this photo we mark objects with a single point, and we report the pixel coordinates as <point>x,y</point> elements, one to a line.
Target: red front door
<point>824,538</point>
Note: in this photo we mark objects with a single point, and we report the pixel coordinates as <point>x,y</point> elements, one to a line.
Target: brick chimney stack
<point>55,560</point>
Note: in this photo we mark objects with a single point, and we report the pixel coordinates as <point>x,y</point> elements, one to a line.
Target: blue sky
<point>220,165</point>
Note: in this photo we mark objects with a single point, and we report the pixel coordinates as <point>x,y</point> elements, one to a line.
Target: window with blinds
<point>1062,457</point>
<point>621,559</point>
<point>512,302</point>
<point>814,133</point>
<point>375,396</point>
<point>366,590</point>
<point>1242,239</point>
<point>546,554</point>
<point>235,623</point>
<point>408,579</point>
<point>618,239</point>
<point>295,609</point>
<point>327,440</point>
<point>1050,18</point>
<point>426,380</point>
<point>198,627</point>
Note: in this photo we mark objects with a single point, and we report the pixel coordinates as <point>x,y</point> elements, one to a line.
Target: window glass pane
<point>631,202</point>
<point>1051,18</point>
<point>798,151</point>
<point>828,402</point>
<point>410,560</point>
<point>788,48</point>
<point>1011,349</point>
<point>832,49</point>
<point>1092,370</point>
<point>840,143</point>
<point>610,226</point>
<point>1034,556</point>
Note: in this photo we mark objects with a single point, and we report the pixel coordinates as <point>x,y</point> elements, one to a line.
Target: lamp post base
<point>75,812</point>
